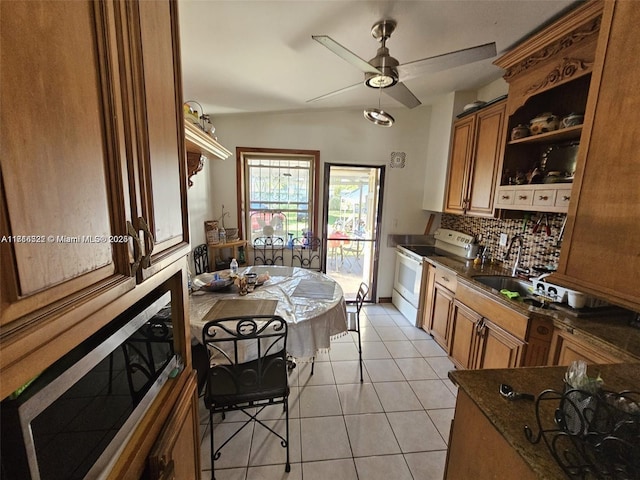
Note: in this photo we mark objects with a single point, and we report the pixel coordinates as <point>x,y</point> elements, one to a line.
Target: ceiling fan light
<point>374,80</point>
<point>379,117</point>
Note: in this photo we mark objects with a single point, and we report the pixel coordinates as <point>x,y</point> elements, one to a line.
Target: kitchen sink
<point>504,282</point>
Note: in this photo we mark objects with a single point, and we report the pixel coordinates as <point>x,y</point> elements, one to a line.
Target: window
<point>279,192</point>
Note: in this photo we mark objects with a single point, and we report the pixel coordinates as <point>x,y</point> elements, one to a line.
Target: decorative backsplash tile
<point>538,249</point>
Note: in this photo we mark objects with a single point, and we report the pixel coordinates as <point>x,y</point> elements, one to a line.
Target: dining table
<point>311,303</point>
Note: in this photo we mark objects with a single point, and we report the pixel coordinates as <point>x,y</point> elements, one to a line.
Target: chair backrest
<point>306,252</point>
<point>201,259</point>
<point>248,358</point>
<point>363,290</point>
<point>268,251</point>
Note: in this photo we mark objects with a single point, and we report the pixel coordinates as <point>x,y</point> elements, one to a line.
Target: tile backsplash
<point>538,248</point>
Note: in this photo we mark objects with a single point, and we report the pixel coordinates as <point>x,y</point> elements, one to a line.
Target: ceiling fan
<point>385,72</point>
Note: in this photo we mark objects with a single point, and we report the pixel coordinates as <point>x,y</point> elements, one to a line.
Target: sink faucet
<point>515,238</point>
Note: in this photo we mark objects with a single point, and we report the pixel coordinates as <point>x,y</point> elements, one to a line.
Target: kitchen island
<point>487,436</point>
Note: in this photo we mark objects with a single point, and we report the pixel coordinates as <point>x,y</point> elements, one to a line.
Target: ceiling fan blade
<point>335,92</point>
<point>446,61</point>
<point>345,54</point>
<point>402,94</point>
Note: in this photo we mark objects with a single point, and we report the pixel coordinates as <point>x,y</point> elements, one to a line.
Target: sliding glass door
<point>352,207</point>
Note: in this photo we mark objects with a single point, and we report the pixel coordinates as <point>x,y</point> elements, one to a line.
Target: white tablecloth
<point>313,315</point>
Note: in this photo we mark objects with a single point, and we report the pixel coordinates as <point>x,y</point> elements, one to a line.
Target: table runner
<point>240,308</point>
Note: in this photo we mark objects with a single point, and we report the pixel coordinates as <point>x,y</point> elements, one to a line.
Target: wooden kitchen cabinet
<point>600,253</point>
<point>463,337</point>
<point>161,168</point>
<point>62,186</point>
<point>549,73</point>
<point>472,436</point>
<point>476,342</point>
<point>74,222</point>
<point>476,148</point>
<point>567,347</point>
<point>441,316</point>
<point>93,213</point>
<point>496,348</point>
<point>175,454</point>
<point>428,301</point>
<point>441,309</point>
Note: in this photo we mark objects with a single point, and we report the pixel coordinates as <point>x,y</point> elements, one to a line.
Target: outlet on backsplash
<point>504,238</point>
<point>539,248</point>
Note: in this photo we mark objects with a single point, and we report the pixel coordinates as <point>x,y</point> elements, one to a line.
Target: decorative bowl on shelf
<point>545,122</point>
<point>572,120</point>
<point>520,131</point>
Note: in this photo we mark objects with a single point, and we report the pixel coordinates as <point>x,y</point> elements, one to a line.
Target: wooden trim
<point>274,152</point>
<point>199,142</point>
<point>562,34</point>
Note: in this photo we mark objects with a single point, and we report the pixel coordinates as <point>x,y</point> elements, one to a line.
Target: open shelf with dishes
<point>543,139</point>
<point>549,76</point>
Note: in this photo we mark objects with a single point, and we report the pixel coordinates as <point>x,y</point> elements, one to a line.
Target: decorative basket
<point>232,234</point>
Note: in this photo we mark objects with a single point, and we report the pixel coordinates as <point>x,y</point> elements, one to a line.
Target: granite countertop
<point>610,332</point>
<point>510,417</point>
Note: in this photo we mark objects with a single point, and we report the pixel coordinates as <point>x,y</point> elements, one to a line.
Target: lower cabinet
<point>496,348</point>
<point>478,450</point>
<point>441,290</point>
<point>477,342</point>
<point>464,322</point>
<point>566,348</point>
<point>441,309</point>
<point>176,454</point>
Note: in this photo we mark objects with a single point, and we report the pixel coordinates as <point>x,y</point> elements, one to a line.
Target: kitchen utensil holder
<point>591,436</point>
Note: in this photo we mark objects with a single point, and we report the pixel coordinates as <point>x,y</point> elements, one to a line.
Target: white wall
<point>200,205</point>
<point>342,136</point>
<point>495,89</point>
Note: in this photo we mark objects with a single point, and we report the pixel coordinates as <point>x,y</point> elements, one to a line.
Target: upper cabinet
<point>601,252</point>
<point>65,220</point>
<point>92,199</point>
<point>549,77</point>
<point>476,148</point>
<point>161,205</point>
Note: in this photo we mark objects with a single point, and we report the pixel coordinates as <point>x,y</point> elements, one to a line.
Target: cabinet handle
<point>522,197</point>
<point>479,326</point>
<point>543,197</point>
<point>566,198</point>
<point>506,197</point>
<point>149,242</point>
<point>445,279</point>
<point>137,247</point>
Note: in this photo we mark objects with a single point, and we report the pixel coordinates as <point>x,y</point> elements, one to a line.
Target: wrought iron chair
<point>306,252</point>
<point>201,259</point>
<point>352,253</point>
<point>353,317</point>
<point>247,370</point>
<point>268,251</point>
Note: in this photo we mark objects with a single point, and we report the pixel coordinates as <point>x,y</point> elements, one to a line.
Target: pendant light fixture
<point>377,115</point>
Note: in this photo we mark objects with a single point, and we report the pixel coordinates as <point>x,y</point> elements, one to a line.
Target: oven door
<point>408,278</point>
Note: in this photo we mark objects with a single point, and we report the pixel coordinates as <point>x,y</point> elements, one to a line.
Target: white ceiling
<point>242,56</point>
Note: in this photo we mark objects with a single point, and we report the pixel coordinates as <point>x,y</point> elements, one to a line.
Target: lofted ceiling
<point>241,56</point>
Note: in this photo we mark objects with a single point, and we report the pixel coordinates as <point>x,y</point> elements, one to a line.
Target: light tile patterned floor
<point>394,425</point>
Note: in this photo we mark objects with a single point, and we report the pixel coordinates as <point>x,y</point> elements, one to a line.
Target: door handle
<point>137,248</point>
<point>149,242</point>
